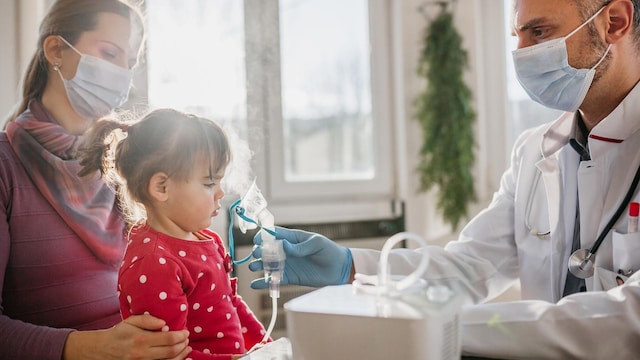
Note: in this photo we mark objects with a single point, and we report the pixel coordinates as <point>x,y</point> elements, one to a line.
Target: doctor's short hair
<point>589,7</point>
<point>128,154</point>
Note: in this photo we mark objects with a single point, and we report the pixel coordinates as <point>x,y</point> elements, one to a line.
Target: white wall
<point>19,21</point>
<point>8,59</point>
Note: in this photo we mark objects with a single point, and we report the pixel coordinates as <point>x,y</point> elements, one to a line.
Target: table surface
<point>281,350</point>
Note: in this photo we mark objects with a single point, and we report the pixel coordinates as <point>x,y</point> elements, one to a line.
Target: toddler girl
<point>167,169</point>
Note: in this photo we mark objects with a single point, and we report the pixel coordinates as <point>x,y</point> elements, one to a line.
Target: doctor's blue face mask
<point>544,72</point>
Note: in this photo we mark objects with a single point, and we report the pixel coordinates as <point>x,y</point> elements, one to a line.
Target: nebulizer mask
<point>379,316</point>
<point>251,212</point>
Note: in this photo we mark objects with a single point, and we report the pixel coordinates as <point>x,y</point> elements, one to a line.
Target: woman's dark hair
<point>165,140</point>
<point>69,19</point>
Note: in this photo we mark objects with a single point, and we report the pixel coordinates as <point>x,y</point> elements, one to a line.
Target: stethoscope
<point>527,212</point>
<point>582,260</point>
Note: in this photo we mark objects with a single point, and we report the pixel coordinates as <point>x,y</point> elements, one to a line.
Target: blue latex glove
<point>312,259</point>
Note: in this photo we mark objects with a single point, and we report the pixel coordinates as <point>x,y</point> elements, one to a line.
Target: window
<point>195,57</point>
<point>304,81</point>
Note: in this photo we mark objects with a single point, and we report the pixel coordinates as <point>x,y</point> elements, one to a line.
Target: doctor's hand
<point>312,259</point>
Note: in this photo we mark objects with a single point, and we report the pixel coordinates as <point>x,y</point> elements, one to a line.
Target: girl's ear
<point>158,187</point>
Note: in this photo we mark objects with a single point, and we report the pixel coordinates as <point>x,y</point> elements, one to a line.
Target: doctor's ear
<point>157,187</point>
<point>619,20</point>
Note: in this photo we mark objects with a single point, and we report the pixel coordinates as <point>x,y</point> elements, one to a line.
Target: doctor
<point>566,181</point>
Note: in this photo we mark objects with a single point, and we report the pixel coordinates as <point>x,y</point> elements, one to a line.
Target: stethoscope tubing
<point>532,231</point>
<point>616,216</point>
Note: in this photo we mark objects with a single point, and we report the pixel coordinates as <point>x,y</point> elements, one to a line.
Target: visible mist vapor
<point>239,176</point>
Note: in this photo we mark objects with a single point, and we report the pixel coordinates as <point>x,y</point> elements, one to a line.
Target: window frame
<point>330,200</point>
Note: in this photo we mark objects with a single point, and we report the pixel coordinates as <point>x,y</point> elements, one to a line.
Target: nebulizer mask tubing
<point>382,283</point>
<point>252,212</point>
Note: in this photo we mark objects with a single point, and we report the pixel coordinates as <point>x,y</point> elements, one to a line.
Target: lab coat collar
<point>616,127</point>
<point>558,134</point>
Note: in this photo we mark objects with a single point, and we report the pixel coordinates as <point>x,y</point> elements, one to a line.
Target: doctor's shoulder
<point>529,140</point>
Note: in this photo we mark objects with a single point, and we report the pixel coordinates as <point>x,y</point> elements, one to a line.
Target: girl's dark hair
<point>69,19</point>
<point>164,140</point>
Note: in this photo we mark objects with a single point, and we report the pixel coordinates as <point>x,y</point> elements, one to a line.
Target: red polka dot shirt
<point>187,284</point>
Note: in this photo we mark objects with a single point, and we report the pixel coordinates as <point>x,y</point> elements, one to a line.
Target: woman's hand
<point>137,337</point>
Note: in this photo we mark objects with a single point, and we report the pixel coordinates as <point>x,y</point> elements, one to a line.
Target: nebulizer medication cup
<point>252,213</point>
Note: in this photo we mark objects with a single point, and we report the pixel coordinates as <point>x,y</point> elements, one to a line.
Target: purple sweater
<point>51,282</point>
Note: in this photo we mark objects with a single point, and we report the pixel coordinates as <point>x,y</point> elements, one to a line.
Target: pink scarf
<point>87,205</point>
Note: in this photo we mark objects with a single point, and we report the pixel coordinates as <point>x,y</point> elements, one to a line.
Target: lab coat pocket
<point>626,253</point>
<point>608,279</point>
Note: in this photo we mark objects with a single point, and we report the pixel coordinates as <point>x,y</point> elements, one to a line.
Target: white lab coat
<point>495,248</point>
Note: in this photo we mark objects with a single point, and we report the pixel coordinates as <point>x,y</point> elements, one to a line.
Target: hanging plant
<point>446,117</point>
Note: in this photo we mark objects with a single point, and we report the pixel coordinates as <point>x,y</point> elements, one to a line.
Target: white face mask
<point>98,86</point>
<point>545,74</point>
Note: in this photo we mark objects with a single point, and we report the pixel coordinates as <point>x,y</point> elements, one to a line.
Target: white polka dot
<point>162,261</point>
<point>220,335</point>
<point>182,253</point>
<point>228,316</point>
<point>237,345</point>
<point>213,286</point>
<point>163,295</point>
<point>160,247</point>
<point>196,306</point>
<point>183,307</point>
<point>143,279</point>
<point>146,240</point>
<point>165,328</point>
<point>224,297</point>
<point>147,313</point>
<point>206,351</point>
<point>203,257</point>
<point>210,309</point>
<point>262,332</point>
<point>197,329</point>
<point>134,259</point>
<point>244,330</point>
<point>200,275</point>
<point>219,266</point>
<point>129,299</point>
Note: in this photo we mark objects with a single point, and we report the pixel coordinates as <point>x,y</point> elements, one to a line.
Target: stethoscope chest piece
<point>581,263</point>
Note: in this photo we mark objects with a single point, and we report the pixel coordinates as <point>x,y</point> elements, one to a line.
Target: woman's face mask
<point>545,74</point>
<point>98,86</point>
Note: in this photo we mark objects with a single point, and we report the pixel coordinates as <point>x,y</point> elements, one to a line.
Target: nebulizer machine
<point>379,316</point>
<point>251,211</point>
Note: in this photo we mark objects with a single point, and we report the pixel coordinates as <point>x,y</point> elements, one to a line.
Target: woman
<point>61,236</point>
